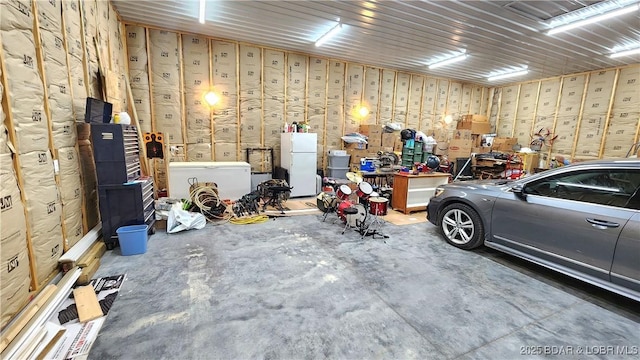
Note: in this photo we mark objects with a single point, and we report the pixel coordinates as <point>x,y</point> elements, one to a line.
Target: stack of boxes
<point>377,141</point>
<point>468,137</point>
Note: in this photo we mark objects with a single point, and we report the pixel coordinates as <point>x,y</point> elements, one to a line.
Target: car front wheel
<point>461,226</point>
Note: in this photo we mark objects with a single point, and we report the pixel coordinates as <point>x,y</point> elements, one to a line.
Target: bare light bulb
<point>211,98</point>
<point>363,111</point>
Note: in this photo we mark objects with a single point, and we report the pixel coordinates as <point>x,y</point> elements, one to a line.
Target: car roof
<point>609,162</point>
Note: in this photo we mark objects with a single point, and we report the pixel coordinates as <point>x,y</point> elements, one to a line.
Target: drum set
<point>361,208</point>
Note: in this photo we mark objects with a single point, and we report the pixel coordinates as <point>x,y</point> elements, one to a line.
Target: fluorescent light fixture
<point>202,5</point>
<point>324,38</point>
<point>625,53</point>
<point>449,61</point>
<point>506,75</point>
<point>593,18</point>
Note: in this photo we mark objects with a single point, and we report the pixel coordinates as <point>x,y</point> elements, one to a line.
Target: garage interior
<point>223,82</point>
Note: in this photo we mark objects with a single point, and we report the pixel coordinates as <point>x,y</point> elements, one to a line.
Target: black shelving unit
<point>124,197</point>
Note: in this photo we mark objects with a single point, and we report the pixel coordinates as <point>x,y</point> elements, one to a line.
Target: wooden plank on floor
<point>95,251</point>
<point>88,271</point>
<point>87,303</point>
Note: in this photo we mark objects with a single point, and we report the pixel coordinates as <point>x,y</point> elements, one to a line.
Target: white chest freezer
<point>233,178</point>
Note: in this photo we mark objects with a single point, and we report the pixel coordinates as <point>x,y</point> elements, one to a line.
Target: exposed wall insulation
<point>524,113</point>
<point>401,98</point>
<point>195,53</point>
<point>415,100</point>
<point>353,90</point>
<point>44,211</point>
<point>594,114</point>
<point>441,104</point>
<point>226,112</point>
<point>508,108</point>
<point>165,74</point>
<point>296,87</point>
<point>387,87</point>
<point>139,75</point>
<point>251,104</point>
<point>29,119</point>
<point>429,104</point>
<point>70,194</point>
<point>371,94</point>
<point>454,100</point>
<point>547,101</point>
<point>90,17</point>
<point>117,57</point>
<point>465,101</point>
<point>273,87</point>
<point>335,105</point>
<point>317,95</point>
<point>486,101</point>
<point>495,109</point>
<point>568,114</point>
<point>625,114</point>
<point>73,37</point>
<point>56,74</point>
<point>476,101</point>
<point>15,277</point>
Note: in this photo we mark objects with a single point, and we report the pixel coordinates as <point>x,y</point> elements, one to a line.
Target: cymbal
<point>353,177</point>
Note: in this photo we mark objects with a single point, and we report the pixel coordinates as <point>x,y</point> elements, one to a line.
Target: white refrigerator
<point>298,154</point>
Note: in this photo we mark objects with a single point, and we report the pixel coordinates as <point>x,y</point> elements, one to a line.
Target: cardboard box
<point>440,135</point>
<point>355,146</point>
<point>369,130</point>
<point>529,161</point>
<point>374,148</point>
<point>357,154</point>
<point>477,140</point>
<point>397,146</point>
<point>476,127</point>
<point>504,144</point>
<point>441,148</point>
<point>375,139</point>
<point>480,149</point>
<point>462,134</point>
<point>475,117</point>
<point>459,148</point>
<point>389,139</point>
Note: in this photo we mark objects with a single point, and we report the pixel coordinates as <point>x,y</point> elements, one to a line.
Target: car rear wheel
<point>461,226</point>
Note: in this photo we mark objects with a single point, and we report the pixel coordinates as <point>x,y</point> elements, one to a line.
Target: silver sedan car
<point>582,220</point>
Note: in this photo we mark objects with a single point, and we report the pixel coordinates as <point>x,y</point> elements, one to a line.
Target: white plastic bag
<point>180,220</point>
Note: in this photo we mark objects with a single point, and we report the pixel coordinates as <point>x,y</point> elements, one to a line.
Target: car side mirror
<point>518,189</point>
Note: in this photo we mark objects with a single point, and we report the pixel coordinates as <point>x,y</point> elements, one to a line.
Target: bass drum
<point>356,220</point>
<point>343,205</point>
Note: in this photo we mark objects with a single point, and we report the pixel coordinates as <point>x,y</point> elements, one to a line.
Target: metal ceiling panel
<point>406,35</point>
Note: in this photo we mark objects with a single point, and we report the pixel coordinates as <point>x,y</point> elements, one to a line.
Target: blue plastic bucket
<point>132,239</point>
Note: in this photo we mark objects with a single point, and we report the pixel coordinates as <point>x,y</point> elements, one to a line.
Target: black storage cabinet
<point>125,204</point>
<point>117,153</point>
<point>124,198</point>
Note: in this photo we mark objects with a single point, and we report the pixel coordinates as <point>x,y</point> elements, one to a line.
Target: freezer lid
<point>208,164</point>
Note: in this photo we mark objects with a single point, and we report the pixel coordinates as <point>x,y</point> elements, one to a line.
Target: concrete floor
<point>296,288</point>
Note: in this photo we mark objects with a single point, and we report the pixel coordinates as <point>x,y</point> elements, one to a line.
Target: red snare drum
<point>378,206</point>
<point>343,192</point>
<point>343,205</point>
<point>364,190</point>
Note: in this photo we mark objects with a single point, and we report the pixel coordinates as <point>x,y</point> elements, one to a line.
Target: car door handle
<point>602,224</point>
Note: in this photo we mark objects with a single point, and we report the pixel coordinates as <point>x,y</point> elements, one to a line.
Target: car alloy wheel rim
<point>458,226</point>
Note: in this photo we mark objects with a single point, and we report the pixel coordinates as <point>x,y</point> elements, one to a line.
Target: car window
<point>614,187</point>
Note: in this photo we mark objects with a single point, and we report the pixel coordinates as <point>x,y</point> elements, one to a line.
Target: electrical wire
<point>256,219</point>
<point>206,198</point>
